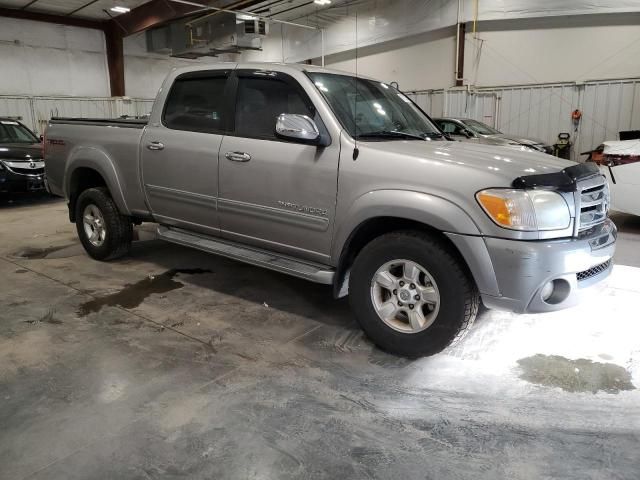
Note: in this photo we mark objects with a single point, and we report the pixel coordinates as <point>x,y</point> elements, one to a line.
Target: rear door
<point>274,193</point>
<point>180,153</point>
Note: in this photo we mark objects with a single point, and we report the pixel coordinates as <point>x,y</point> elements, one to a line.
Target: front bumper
<point>523,268</point>
<point>15,182</point>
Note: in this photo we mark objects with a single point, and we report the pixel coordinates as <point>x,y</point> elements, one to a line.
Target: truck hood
<point>500,162</point>
<point>21,151</point>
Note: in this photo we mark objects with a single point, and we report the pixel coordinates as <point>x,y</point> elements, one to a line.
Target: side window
<point>261,100</point>
<point>196,103</point>
<point>450,127</point>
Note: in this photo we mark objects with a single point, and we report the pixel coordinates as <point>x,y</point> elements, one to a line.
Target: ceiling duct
<point>210,35</point>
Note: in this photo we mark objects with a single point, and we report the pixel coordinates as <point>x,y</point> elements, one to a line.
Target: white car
<point>620,162</point>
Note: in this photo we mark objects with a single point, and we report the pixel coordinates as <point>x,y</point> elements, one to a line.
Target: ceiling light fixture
<point>119,9</point>
<point>322,2</point>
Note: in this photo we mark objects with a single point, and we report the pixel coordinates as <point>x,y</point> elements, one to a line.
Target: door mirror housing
<point>297,128</point>
<point>468,133</point>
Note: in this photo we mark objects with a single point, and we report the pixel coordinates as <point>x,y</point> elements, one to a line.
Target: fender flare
<point>431,210</point>
<point>95,159</point>
<point>436,212</point>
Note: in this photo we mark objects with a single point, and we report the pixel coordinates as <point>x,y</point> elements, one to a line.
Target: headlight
<point>526,210</point>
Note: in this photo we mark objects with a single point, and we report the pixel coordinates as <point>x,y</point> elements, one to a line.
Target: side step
<point>254,256</point>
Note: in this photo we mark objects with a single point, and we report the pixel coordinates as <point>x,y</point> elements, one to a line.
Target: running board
<point>254,256</point>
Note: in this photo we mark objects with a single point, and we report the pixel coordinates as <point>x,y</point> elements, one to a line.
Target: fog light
<point>547,291</point>
<point>556,291</point>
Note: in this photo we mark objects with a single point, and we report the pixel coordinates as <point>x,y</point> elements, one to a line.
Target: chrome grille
<point>27,171</point>
<point>31,168</point>
<point>593,271</point>
<point>592,202</point>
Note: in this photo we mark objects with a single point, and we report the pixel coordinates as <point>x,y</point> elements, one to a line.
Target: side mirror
<point>298,128</point>
<point>467,133</point>
<point>41,138</point>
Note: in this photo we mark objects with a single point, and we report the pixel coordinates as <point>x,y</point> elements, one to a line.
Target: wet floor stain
<point>579,375</point>
<point>133,294</point>
<point>33,253</point>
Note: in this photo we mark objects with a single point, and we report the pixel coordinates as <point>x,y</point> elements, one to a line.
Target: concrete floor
<point>171,363</point>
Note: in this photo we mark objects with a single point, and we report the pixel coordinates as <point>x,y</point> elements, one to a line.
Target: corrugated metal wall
<point>544,111</point>
<point>36,111</point>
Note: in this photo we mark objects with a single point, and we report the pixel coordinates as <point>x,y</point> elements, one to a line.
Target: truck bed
<point>109,146</point>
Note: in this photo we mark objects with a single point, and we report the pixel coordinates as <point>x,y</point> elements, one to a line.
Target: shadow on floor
<point>27,199</point>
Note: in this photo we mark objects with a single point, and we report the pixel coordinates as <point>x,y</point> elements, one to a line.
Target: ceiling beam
<point>150,14</point>
<point>50,18</point>
<point>24,7</point>
<point>91,2</point>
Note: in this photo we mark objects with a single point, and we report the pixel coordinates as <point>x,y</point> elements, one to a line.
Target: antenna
<point>356,152</point>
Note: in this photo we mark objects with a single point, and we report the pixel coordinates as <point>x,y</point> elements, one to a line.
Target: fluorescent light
<point>119,9</point>
<point>322,2</point>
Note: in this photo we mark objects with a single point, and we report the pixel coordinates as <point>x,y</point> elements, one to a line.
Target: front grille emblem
<point>32,165</point>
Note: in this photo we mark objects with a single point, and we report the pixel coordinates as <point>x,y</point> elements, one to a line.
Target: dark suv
<point>21,163</point>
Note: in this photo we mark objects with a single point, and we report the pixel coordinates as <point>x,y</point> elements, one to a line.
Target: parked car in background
<point>469,130</point>
<point>294,175</point>
<point>21,163</point>
<point>620,162</point>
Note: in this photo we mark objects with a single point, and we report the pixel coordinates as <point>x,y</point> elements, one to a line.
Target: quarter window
<point>196,103</point>
<point>261,100</point>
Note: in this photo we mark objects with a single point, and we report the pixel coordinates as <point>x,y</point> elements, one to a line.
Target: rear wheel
<point>104,232</point>
<point>411,295</point>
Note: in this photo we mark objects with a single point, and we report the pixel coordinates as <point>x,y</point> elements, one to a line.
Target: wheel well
<point>82,179</point>
<point>373,228</point>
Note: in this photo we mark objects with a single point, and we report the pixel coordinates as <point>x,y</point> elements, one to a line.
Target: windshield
<point>371,109</point>
<point>14,132</point>
<point>480,128</point>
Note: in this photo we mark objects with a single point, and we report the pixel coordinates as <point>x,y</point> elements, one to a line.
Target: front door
<point>273,193</point>
<point>180,154</point>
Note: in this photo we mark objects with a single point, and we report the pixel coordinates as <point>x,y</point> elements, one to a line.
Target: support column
<point>115,58</point>
<point>462,30</point>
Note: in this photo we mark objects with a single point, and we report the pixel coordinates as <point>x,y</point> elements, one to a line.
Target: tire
<point>115,241</point>
<point>441,275</point>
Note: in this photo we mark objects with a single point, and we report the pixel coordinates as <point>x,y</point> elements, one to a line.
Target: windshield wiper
<point>391,134</point>
<point>434,135</point>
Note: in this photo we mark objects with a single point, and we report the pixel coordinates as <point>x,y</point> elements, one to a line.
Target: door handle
<point>155,146</point>
<point>238,156</point>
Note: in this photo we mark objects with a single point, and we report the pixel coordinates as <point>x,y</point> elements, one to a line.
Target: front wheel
<point>104,232</point>
<point>411,294</point>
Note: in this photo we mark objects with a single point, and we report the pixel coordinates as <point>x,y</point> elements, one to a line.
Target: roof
<point>281,67</point>
<point>455,119</point>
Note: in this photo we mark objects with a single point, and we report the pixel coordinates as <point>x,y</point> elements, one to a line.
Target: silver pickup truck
<point>340,180</point>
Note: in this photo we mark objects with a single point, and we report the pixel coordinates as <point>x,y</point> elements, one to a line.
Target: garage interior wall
<point>47,59</point>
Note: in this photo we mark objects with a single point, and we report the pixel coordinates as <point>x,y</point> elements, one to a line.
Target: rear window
<point>196,103</point>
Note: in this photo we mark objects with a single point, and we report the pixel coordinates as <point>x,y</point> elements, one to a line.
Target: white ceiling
<point>95,9</point>
<point>91,10</point>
